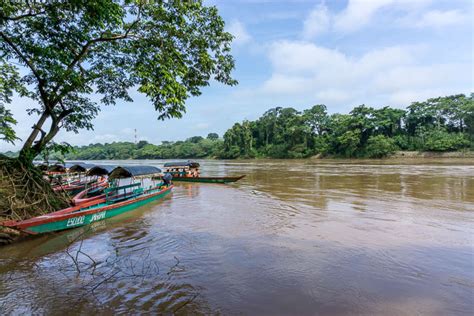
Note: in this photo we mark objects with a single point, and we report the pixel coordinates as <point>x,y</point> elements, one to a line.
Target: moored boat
<point>93,193</point>
<point>188,171</point>
<point>75,187</point>
<point>117,200</point>
<point>209,179</point>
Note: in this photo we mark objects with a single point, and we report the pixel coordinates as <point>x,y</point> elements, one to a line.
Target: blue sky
<point>300,53</point>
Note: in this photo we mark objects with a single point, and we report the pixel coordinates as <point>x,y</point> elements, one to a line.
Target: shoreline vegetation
<point>438,127</point>
<point>400,154</point>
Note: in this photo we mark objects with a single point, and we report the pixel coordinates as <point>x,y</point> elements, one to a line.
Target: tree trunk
<point>27,154</point>
<point>36,129</point>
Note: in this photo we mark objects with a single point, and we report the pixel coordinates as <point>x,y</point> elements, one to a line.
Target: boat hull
<point>81,198</point>
<point>78,219</point>
<point>208,179</point>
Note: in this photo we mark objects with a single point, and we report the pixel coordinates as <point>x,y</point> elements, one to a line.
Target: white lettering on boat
<point>74,221</point>
<point>98,216</point>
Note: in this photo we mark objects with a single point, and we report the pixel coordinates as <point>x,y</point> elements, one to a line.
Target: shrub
<point>441,140</point>
<point>403,142</point>
<point>277,151</point>
<point>348,143</point>
<point>380,146</point>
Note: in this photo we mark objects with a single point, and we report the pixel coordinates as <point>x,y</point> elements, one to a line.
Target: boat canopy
<point>57,168</point>
<point>189,163</point>
<point>80,167</point>
<point>42,166</point>
<point>49,166</point>
<point>133,171</point>
<point>100,170</point>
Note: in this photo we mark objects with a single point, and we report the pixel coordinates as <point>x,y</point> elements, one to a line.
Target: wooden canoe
<point>74,187</point>
<point>93,193</point>
<point>85,214</point>
<point>208,179</point>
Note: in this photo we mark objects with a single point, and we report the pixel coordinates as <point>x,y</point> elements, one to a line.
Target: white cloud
<point>286,84</point>
<point>391,74</point>
<point>202,126</point>
<point>437,19</point>
<point>241,35</point>
<point>128,131</point>
<point>317,22</point>
<point>332,96</point>
<point>358,13</point>
<point>104,138</point>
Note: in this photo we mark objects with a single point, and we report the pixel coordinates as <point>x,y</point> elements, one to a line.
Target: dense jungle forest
<point>438,124</point>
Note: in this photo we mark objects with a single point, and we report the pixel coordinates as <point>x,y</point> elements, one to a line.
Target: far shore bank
<point>396,155</point>
<point>432,154</point>
<point>408,155</point>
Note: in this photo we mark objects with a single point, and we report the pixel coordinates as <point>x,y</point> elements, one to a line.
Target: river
<point>294,237</point>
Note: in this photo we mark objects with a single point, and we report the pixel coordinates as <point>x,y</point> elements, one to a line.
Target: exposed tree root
<point>24,194</point>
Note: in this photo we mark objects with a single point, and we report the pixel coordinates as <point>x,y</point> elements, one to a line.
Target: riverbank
<point>432,154</point>
<point>412,155</point>
<point>397,155</point>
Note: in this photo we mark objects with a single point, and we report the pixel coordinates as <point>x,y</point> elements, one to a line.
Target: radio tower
<point>135,136</point>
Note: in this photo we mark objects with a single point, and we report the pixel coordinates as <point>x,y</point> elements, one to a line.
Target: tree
<point>212,136</point>
<point>441,140</point>
<point>142,144</point>
<point>9,83</point>
<point>69,50</point>
<point>388,121</point>
<point>467,113</point>
<point>380,146</point>
<point>267,125</point>
<point>317,118</point>
<point>194,139</point>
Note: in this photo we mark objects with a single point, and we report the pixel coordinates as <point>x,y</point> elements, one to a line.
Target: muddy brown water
<point>295,237</point>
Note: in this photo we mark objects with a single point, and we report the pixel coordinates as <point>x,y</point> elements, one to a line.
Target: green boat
<point>208,179</point>
<point>118,200</point>
<point>188,171</point>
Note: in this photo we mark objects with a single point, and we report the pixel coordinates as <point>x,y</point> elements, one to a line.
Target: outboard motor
<point>167,177</point>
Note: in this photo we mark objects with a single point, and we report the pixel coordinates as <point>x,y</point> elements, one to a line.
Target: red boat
<point>117,200</point>
<point>74,187</point>
<point>96,192</point>
<point>90,212</point>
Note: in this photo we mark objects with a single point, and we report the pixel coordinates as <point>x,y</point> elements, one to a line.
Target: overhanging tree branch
<point>19,17</point>
<point>30,65</point>
<point>85,48</point>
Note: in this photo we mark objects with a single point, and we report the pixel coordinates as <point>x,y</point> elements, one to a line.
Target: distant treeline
<point>438,124</point>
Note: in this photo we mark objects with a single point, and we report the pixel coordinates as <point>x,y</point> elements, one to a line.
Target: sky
<point>340,53</point>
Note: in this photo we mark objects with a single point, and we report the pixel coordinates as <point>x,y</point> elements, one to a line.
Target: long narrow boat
<point>96,192</point>
<point>115,203</point>
<point>86,214</point>
<point>74,187</point>
<point>188,171</point>
<point>208,179</point>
